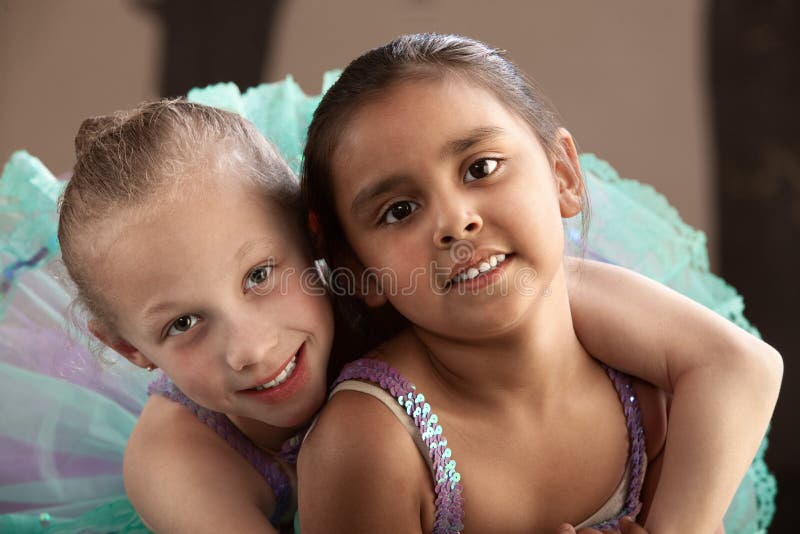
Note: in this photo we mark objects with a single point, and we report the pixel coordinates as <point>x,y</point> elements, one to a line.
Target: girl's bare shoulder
<point>359,469</point>
<point>180,475</point>
<point>359,425</point>
<point>165,424</point>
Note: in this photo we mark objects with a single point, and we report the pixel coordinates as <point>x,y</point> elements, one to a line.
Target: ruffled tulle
<point>281,111</point>
<point>67,414</point>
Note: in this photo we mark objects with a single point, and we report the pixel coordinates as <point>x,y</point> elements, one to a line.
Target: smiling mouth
<point>283,376</point>
<point>480,268</point>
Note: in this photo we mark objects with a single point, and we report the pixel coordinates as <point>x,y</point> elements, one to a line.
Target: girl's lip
<point>278,371</point>
<point>464,267</point>
<point>483,279</point>
<point>284,391</point>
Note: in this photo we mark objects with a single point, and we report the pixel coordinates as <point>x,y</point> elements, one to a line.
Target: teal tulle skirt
<point>67,413</point>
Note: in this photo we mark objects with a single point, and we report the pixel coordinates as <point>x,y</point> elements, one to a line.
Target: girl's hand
<point>626,525</point>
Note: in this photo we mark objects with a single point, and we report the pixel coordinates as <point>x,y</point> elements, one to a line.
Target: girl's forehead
<point>190,222</point>
<point>408,95</point>
<point>421,118</point>
<point>423,109</point>
<point>184,246</point>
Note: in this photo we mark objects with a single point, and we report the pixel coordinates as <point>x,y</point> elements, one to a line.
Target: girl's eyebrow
<point>476,135</point>
<point>253,244</point>
<point>154,311</point>
<point>453,147</point>
<point>374,190</point>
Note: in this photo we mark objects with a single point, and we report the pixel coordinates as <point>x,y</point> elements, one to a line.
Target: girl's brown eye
<point>182,324</point>
<point>480,169</point>
<point>399,211</point>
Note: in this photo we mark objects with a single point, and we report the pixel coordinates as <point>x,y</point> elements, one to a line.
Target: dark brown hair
<point>134,159</point>
<point>411,57</point>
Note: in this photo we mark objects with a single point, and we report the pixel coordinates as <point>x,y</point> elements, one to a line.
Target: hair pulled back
<point>134,158</point>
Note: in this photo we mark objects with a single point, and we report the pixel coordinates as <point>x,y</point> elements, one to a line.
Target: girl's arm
<point>724,385</point>
<point>182,477</point>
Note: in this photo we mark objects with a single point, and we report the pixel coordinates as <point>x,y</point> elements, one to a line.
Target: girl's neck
<point>536,358</point>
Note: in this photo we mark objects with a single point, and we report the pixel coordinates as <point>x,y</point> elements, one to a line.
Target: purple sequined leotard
<point>262,462</point>
<point>420,418</point>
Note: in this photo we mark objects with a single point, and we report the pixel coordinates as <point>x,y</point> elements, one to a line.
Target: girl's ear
<point>119,345</point>
<point>568,176</point>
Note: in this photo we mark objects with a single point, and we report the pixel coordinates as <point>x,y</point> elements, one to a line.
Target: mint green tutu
<point>67,414</point>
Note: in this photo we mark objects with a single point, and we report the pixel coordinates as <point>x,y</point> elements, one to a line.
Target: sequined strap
<point>449,515</point>
<point>266,466</point>
<point>636,454</point>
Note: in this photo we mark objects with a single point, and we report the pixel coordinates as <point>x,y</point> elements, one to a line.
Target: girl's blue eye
<point>480,169</point>
<point>257,277</point>
<point>182,324</point>
<point>399,211</point>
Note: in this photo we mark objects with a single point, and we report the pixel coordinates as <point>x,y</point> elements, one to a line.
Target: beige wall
<point>64,60</point>
<point>627,76</point>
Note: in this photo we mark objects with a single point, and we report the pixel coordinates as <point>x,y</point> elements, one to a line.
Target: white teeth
<point>484,267</point>
<point>282,377</point>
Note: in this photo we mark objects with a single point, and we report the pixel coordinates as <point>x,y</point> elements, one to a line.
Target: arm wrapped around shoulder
<point>724,384</point>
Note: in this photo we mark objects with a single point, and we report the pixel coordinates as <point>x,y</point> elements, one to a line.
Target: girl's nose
<point>250,345</point>
<point>455,225</point>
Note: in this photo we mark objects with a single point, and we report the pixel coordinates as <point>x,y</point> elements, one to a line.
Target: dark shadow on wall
<point>755,75</point>
<point>207,41</point>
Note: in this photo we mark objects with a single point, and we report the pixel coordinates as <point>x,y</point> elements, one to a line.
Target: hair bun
<point>91,130</point>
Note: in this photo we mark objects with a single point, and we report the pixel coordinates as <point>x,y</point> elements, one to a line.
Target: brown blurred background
<point>696,97</point>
